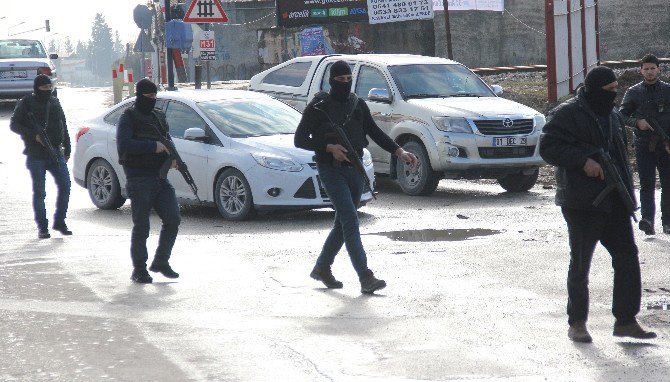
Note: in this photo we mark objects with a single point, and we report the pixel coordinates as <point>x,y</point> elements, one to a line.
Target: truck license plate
<point>510,141</point>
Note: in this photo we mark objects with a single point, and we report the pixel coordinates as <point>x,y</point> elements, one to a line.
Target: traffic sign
<point>205,11</point>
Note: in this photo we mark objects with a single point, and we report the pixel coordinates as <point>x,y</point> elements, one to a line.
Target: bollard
<point>116,89</point>
<point>198,76</point>
<point>131,83</point>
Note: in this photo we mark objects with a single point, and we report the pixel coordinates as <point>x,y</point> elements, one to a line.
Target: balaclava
<point>339,90</point>
<point>42,95</point>
<point>142,103</point>
<point>600,100</point>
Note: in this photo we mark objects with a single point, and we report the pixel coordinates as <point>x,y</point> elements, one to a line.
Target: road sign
<point>205,11</point>
<point>207,46</point>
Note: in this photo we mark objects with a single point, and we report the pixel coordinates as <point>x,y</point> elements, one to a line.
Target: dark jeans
<point>38,168</point>
<point>344,187</point>
<point>647,164</point>
<point>145,194</point>
<point>615,232</point>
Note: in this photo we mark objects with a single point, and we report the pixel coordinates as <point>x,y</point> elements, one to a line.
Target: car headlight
<point>277,163</point>
<point>540,121</point>
<point>367,159</point>
<point>453,125</point>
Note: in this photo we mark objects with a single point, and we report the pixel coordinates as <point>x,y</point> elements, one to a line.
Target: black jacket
<point>642,101</point>
<point>136,138</point>
<point>572,134</point>
<point>314,131</point>
<point>56,128</point>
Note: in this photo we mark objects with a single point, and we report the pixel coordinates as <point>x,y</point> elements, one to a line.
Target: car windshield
<point>241,118</point>
<point>21,49</point>
<point>438,80</point>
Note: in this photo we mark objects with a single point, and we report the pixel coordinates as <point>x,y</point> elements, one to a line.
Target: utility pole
<point>170,71</point>
<point>447,27</point>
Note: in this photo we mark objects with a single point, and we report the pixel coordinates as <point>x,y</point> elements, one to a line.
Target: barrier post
<point>116,89</point>
<point>131,83</point>
<point>198,76</point>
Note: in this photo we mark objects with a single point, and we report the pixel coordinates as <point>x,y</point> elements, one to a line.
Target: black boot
<point>43,234</point>
<point>164,268</point>
<point>62,228</point>
<point>141,276</point>
<point>325,275</point>
<point>370,284</point>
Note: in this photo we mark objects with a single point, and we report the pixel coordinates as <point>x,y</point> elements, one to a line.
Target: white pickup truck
<point>436,108</point>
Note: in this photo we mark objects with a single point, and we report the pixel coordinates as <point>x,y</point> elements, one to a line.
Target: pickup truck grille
<point>499,127</point>
<point>506,152</point>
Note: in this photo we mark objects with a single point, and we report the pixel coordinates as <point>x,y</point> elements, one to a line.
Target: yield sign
<point>205,11</point>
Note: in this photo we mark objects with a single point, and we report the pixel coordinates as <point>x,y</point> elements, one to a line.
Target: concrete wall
<point>628,29</point>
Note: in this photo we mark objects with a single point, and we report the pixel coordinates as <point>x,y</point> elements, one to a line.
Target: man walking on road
<point>40,120</point>
<point>340,178</point>
<point>142,155</point>
<point>646,103</point>
<point>575,139</point>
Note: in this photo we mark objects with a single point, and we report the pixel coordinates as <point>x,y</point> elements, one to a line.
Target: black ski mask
<point>42,95</point>
<point>142,103</point>
<point>339,90</point>
<point>600,100</point>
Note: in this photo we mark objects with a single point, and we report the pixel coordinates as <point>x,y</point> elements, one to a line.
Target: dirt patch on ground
<point>530,89</point>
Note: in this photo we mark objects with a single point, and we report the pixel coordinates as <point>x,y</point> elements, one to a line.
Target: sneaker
<point>666,228</point>
<point>633,330</point>
<point>62,228</point>
<point>141,276</point>
<point>165,269</point>
<point>647,227</point>
<point>578,333</point>
<point>325,275</point>
<point>370,284</point>
<point>43,234</point>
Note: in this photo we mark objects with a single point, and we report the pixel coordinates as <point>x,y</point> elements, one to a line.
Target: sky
<point>67,18</point>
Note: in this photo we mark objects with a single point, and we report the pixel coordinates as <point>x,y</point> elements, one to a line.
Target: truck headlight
<point>277,163</point>
<point>539,121</point>
<point>453,125</point>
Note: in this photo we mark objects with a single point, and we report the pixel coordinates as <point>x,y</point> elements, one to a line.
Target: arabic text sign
<point>387,11</point>
<point>471,5</point>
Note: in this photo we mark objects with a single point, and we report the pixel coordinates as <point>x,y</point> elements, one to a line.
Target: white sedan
<point>238,146</point>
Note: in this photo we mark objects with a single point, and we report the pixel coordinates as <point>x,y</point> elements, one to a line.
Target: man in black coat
<point>138,135</point>
<point>650,99</point>
<point>342,182</point>
<point>38,112</point>
<point>573,135</point>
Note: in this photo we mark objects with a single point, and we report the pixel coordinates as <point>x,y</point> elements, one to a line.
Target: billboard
<point>295,13</point>
<point>471,5</point>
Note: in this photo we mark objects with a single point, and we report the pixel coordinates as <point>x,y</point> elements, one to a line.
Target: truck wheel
<point>103,186</point>
<point>423,180</point>
<point>233,196</point>
<point>519,182</point>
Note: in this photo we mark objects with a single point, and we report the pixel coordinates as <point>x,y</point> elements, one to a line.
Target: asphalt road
<point>476,291</point>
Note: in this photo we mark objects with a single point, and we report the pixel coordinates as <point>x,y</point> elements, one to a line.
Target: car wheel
<point>103,186</point>
<point>519,182</point>
<point>233,196</point>
<point>420,181</point>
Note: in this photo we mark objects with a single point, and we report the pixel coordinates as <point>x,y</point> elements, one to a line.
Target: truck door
<point>366,79</point>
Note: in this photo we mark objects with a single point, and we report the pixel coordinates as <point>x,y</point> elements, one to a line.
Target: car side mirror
<point>196,134</point>
<point>379,95</point>
<point>53,56</point>
<point>497,90</point>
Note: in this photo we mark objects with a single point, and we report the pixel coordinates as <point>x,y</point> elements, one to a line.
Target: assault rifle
<point>658,129</point>
<point>614,182</point>
<point>42,133</point>
<point>342,138</point>
<point>174,155</point>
